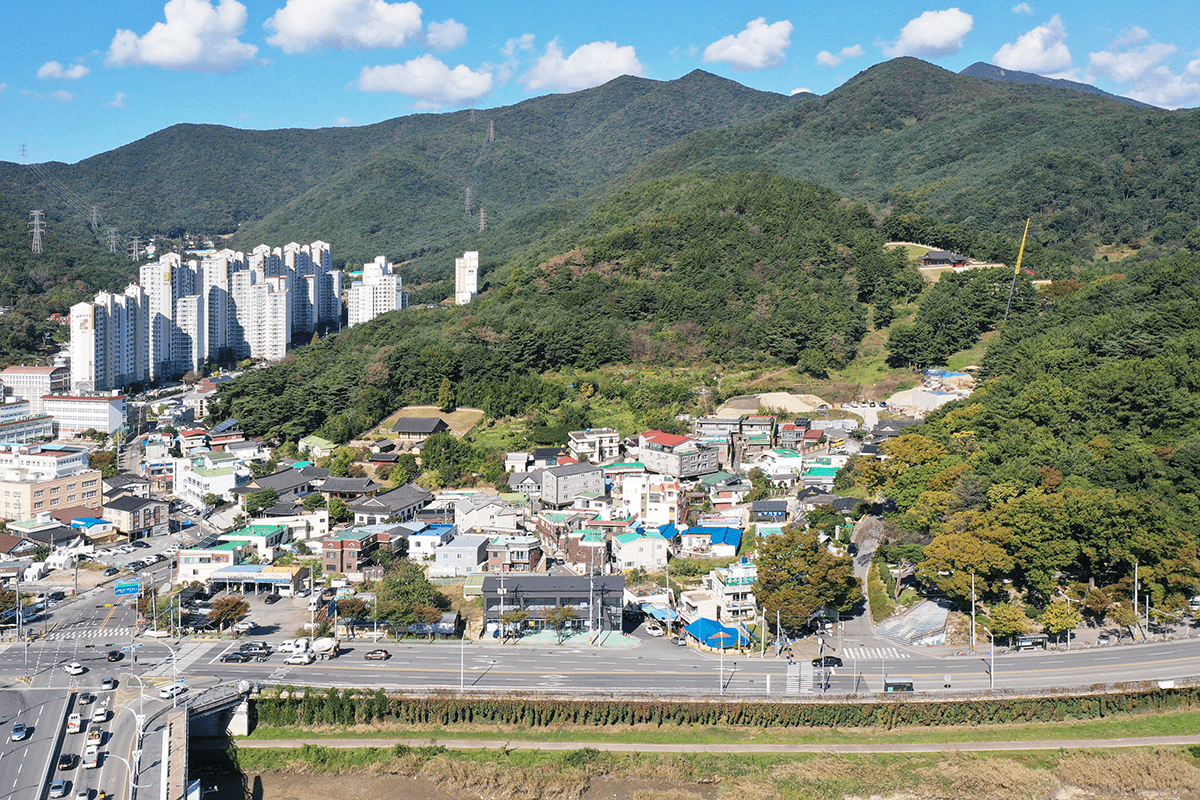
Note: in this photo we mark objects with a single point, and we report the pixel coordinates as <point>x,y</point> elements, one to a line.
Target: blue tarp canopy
<point>660,613</point>
<point>711,633</point>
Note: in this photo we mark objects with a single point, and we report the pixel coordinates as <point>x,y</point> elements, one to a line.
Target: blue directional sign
<point>128,588</point>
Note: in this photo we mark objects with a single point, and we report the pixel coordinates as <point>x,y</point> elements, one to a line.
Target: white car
<point>74,668</point>
<point>169,691</point>
<point>654,630</point>
<point>302,659</point>
<point>244,626</point>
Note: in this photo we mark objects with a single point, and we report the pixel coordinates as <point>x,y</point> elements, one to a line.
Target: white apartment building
<point>653,499</point>
<point>208,473</point>
<point>74,414</point>
<point>379,291</point>
<point>33,383</point>
<point>596,445</point>
<point>733,589</point>
<point>466,277</point>
<point>109,340</point>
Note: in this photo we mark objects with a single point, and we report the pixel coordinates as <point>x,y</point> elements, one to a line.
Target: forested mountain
<point>1078,458</point>
<point>991,72</point>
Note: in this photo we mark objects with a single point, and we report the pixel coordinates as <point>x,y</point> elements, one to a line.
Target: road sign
<point>128,588</point>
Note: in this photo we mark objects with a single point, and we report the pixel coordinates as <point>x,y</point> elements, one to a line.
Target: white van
<point>314,604</point>
<point>293,645</point>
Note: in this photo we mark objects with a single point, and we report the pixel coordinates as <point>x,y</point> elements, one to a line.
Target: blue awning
<point>711,633</point>
<point>660,613</point>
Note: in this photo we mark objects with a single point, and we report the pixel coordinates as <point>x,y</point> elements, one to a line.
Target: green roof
<point>312,440</point>
<point>257,531</point>
<point>821,472</point>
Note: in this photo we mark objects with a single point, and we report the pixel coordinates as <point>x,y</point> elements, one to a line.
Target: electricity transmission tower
<point>482,220</point>
<point>135,248</point>
<point>36,227</point>
<point>468,201</point>
<point>491,130</point>
<point>112,240</point>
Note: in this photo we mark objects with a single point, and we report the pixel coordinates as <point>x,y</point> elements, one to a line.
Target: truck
<point>100,713</point>
<point>326,648</point>
<point>74,722</point>
<point>91,757</point>
<point>94,736</point>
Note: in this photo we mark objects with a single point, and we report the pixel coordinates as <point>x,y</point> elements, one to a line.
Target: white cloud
<point>1161,87</point>
<point>590,65</point>
<point>429,80</point>
<point>118,100</point>
<point>1129,65</point>
<point>522,42</point>
<point>53,69</point>
<point>303,25</point>
<point>934,33</point>
<point>828,59</point>
<point>343,121</point>
<point>446,35</point>
<point>801,90</point>
<point>1135,35</point>
<point>1041,50</point>
<point>196,36</point>
<point>1022,8</point>
<point>62,96</point>
<point>759,46</point>
<point>3,86</point>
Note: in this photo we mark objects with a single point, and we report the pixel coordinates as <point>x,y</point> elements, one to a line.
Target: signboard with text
<point>126,588</point>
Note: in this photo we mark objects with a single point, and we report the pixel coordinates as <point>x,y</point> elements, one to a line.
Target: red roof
<point>30,370</point>
<point>815,433</point>
<point>665,439</point>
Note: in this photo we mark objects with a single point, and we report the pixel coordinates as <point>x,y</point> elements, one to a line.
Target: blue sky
<point>79,78</point>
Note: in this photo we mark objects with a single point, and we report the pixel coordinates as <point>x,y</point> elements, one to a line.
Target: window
<point>54,489</point>
<point>38,504</point>
<point>70,487</point>
<point>39,492</point>
<point>53,501</point>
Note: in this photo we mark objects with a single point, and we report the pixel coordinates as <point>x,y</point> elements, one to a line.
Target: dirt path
<point>642,747</point>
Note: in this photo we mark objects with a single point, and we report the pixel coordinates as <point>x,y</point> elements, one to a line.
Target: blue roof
<point>668,531</point>
<point>87,522</point>
<point>730,536</point>
<point>660,613</point>
<point>709,632</point>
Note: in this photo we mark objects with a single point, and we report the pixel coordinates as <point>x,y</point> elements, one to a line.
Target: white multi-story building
<point>677,456</point>
<point>466,277</point>
<point>34,383</point>
<point>655,500</point>
<point>381,290</point>
<point>206,473</point>
<point>74,414</point>
<point>109,340</point>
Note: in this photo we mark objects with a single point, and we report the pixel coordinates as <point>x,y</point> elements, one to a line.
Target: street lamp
<point>1069,601</point>
<point>992,655</point>
<point>137,756</point>
<point>722,635</point>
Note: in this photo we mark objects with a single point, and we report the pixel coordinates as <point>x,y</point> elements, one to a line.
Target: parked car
<point>141,545</point>
<point>680,641</point>
<point>57,595</point>
<point>654,630</point>
<point>19,732</point>
<point>377,655</point>
<point>110,572</point>
<point>236,658</point>
<point>245,626</point>
<point>271,599</point>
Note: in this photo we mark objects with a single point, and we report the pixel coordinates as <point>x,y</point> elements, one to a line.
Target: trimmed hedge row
<point>360,706</point>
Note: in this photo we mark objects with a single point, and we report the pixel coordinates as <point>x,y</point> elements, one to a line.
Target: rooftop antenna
<point>36,227</point>
<point>1016,271</point>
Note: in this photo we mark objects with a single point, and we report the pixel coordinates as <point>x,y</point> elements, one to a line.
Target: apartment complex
<point>227,305</point>
<point>381,290</point>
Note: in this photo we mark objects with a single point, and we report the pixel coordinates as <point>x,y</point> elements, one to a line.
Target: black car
<point>141,545</point>
<point>56,595</point>
<point>235,658</point>
<point>66,761</point>
<point>111,571</point>
<point>827,661</point>
<point>271,598</point>
<point>114,655</point>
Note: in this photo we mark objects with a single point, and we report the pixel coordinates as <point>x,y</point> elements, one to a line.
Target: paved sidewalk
<point>642,747</point>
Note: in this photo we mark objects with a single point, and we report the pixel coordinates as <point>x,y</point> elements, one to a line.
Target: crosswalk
<point>799,679</point>
<point>109,634</point>
<point>869,653</point>
<point>188,654</point>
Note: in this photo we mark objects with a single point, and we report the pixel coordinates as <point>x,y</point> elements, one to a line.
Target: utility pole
<point>972,612</point>
<point>36,227</point>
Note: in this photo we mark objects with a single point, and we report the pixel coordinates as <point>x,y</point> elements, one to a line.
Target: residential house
<point>696,604</point>
<point>399,505</point>
<point>514,554</point>
<point>347,488</point>
<point>561,484</point>
<point>463,555</point>
<point>208,473</point>
<point>774,511</point>
<point>137,517</point>
<point>653,499</point>
<point>199,563</point>
<point>526,483</point>
<point>13,548</point>
<point>589,551</point>
<point>553,526</point>
<point>711,541</point>
<point>484,512</point>
<point>725,489</point>
<point>126,483</point>
<point>790,435</point>
<point>597,600</point>
<point>346,551</point>
<point>417,429</point>
<point>640,550</point>
<point>517,462</point>
<point>548,456</point>
<point>225,433</point>
<point>263,540</point>
<point>677,456</point>
<point>314,446</point>
<point>424,543</point>
<point>942,258</point>
<point>596,445</point>
<point>733,589</point>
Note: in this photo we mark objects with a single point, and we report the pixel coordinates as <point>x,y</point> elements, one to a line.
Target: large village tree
<point>798,575</point>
